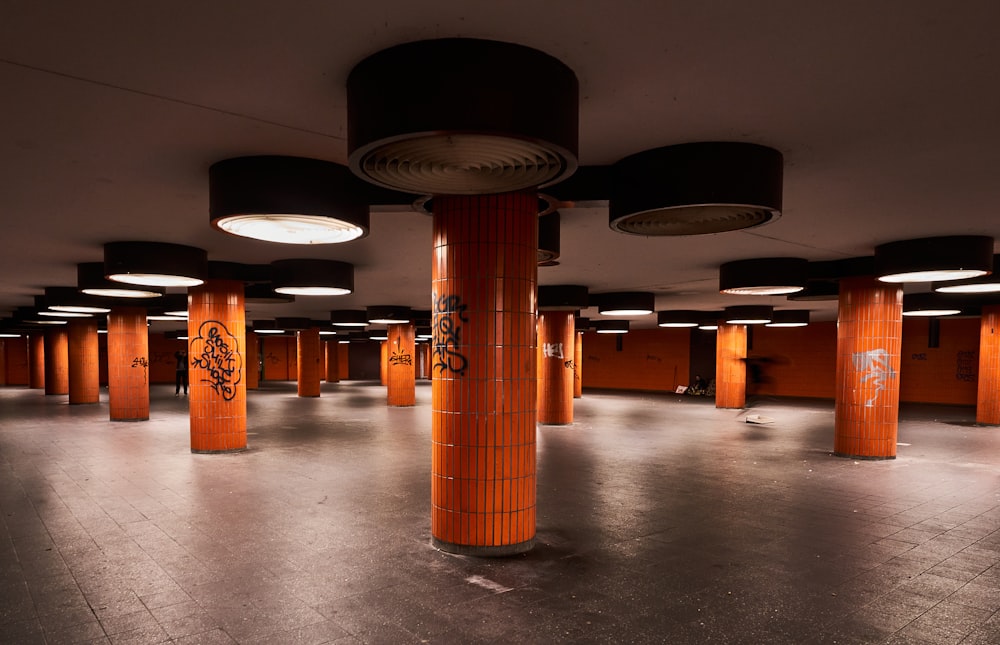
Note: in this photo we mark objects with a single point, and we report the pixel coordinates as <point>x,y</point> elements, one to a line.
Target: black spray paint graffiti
<point>966,364</point>
<point>876,367</point>
<point>449,313</point>
<point>140,361</point>
<point>400,358</point>
<point>217,351</point>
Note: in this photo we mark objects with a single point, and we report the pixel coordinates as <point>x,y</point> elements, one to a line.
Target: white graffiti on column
<point>876,368</point>
<point>552,350</point>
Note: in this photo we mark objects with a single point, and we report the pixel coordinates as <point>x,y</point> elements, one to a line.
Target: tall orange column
<point>307,358</point>
<point>555,359</point>
<point>333,361</point>
<point>401,376</point>
<point>578,366</point>
<point>322,359</point>
<point>253,361</point>
<point>869,333</point>
<point>36,361</point>
<point>217,341</point>
<point>383,365</point>
<point>423,361</point>
<point>56,361</point>
<point>128,364</point>
<point>84,361</point>
<point>484,276</point>
<point>988,398</point>
<point>730,366</point>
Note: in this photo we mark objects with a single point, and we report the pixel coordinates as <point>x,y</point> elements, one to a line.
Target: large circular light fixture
<point>481,117</point>
<point>70,299</point>
<point>764,276</point>
<point>312,277</point>
<point>291,200</point>
<point>626,303</point>
<point>789,318</point>
<point>931,259</point>
<point>929,305</point>
<point>349,318</point>
<point>679,318</point>
<point>696,188</point>
<point>563,297</point>
<point>91,281</point>
<point>388,315</point>
<point>748,314</point>
<point>155,264</point>
<point>983,284</point>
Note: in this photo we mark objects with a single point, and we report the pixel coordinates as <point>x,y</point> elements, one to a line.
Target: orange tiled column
<point>988,399</point>
<point>869,333</point>
<point>307,358</point>
<point>36,361</point>
<point>383,368</point>
<point>128,364</point>
<point>333,361</point>
<point>84,362</point>
<point>555,359</point>
<point>578,366</point>
<point>730,366</point>
<point>217,341</point>
<point>253,361</point>
<point>483,364</point>
<point>56,361</point>
<point>400,374</point>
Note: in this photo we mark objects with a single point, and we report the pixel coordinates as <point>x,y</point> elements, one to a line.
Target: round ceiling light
<point>388,315</point>
<point>91,281</point>
<point>349,318</point>
<point>155,264</point>
<point>983,284</point>
<point>748,314</point>
<point>70,299</point>
<point>696,189</point>
<point>764,276</point>
<point>481,117</point>
<point>563,297</point>
<point>291,200</point>
<point>312,277</point>
<point>610,326</point>
<point>679,318</point>
<point>626,303</point>
<point>789,318</point>
<point>930,259</point>
<point>929,305</point>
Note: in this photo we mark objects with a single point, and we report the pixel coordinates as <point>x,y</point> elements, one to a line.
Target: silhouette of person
<point>182,372</point>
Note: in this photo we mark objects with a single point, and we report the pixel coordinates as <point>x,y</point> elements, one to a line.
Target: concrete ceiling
<point>112,112</point>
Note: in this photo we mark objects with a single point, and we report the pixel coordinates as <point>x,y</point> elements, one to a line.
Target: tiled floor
<point>661,520</point>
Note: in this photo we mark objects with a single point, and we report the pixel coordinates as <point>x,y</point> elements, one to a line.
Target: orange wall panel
<point>944,374</point>
<point>650,359</point>
<point>16,368</point>
<point>796,361</point>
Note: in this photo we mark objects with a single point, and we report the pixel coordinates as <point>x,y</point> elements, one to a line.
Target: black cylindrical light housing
<point>748,314</point>
<point>388,314</point>
<point>312,277</point>
<point>157,264</point>
<point>566,297</point>
<point>764,276</point>
<point>929,259</point>
<point>625,303</point>
<point>679,318</point>
<point>91,281</point>
<point>349,317</point>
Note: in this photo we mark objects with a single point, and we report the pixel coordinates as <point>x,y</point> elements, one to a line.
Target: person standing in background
<point>182,372</point>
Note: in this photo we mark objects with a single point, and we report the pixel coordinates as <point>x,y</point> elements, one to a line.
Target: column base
<point>129,420</point>
<point>863,457</point>
<point>217,452</point>
<point>484,551</point>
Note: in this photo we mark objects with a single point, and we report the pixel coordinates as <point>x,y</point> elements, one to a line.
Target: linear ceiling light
<point>155,264</point>
<point>764,276</point>
<point>291,200</point>
<point>696,188</point>
<point>458,135</point>
<point>930,259</point>
<point>312,277</point>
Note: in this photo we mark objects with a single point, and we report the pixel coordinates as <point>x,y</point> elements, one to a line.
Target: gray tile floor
<point>661,520</point>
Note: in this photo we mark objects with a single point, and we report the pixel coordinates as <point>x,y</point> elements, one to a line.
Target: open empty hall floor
<point>660,520</point>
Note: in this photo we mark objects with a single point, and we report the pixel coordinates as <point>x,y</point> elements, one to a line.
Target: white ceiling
<point>111,113</point>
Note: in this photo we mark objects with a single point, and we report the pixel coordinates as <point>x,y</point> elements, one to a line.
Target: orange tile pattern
<point>128,364</point>
<point>556,348</point>
<point>801,361</point>
<point>730,366</point>
<point>17,372</point>
<point>578,366</point>
<point>307,359</point>
<point>216,346</point>
<point>988,400</point>
<point>400,373</point>
<point>253,361</point>
<point>383,369</point>
<point>84,361</point>
<point>484,276</point>
<point>56,361</point>
<point>942,374</point>
<point>333,361</point>
<point>36,361</point>
<point>869,339</point>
